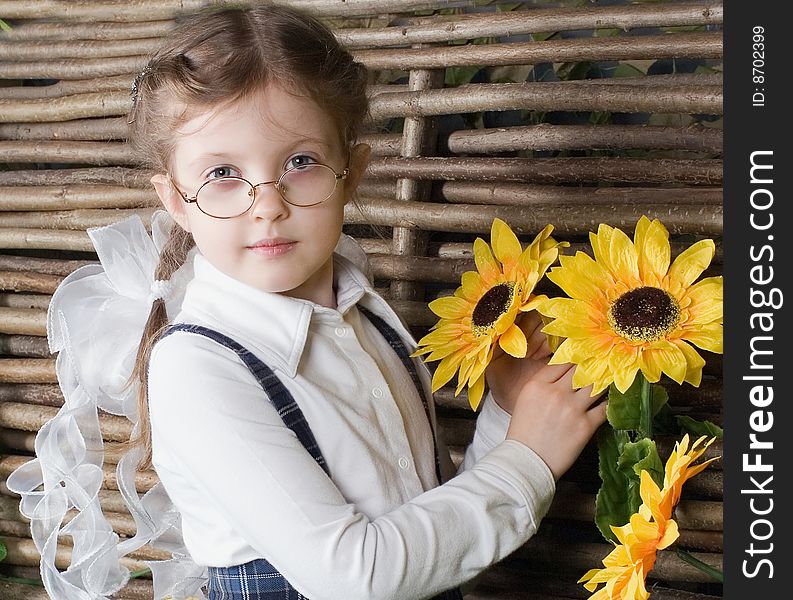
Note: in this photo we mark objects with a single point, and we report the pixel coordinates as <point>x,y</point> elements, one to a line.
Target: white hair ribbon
<point>94,323</point>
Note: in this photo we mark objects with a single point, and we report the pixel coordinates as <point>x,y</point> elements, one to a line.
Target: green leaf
<point>637,457</point>
<point>627,70</point>
<point>624,410</point>
<point>3,551</point>
<point>611,507</point>
<point>460,75</point>
<point>570,71</point>
<point>699,428</point>
<point>5,27</point>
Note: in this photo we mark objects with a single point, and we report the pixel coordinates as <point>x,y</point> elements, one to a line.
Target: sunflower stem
<point>646,395</point>
<point>698,564</point>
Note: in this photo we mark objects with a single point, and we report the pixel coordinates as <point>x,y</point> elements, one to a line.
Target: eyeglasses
<point>229,197</point>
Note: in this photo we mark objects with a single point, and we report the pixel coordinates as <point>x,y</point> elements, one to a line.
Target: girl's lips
<point>273,250</point>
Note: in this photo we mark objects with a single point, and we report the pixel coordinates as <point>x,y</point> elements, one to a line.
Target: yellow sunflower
<point>483,309</point>
<point>630,310</point>
<point>649,530</point>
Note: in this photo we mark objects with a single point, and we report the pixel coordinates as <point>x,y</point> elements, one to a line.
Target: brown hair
<point>217,56</point>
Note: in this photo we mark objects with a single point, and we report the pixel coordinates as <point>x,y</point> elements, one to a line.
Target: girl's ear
<point>171,199</point>
<point>359,159</point>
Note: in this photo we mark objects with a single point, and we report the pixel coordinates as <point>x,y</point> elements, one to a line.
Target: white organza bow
<point>94,322</point>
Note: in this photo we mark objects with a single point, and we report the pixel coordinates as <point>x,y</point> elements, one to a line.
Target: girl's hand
<point>553,419</point>
<point>506,375</point>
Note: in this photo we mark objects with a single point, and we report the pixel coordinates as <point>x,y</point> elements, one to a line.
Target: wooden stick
<point>88,31</point>
<point>98,153</point>
<point>125,176</point>
<point>74,219</point>
<point>522,194</point>
<point>67,88</point>
<point>649,47</point>
<point>45,240</point>
<point>59,198</point>
<point>49,49</point>
<point>27,370</point>
<point>49,266</point>
<point>552,170</point>
<point>73,68</point>
<point>28,346</point>
<point>536,20</point>
<point>23,321</point>
<point>548,97</point>
<point>23,552</point>
<point>29,417</point>
<point>44,394</point>
<point>29,282</point>
<point>78,130</point>
<point>570,137</point>
<point>87,10</point>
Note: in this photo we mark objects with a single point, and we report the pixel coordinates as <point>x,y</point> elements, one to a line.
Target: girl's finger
<point>554,373</point>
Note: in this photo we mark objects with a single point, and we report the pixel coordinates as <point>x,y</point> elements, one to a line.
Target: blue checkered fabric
<point>258,579</point>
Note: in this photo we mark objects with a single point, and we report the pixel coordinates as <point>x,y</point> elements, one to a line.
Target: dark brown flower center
<point>645,314</point>
<point>493,303</point>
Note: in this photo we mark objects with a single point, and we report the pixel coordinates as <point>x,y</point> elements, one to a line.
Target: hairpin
<point>136,83</point>
<point>139,80</point>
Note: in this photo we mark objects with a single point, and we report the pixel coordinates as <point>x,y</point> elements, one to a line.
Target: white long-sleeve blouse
<point>380,527</point>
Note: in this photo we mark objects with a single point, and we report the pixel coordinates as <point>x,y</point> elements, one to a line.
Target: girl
<point>279,406</point>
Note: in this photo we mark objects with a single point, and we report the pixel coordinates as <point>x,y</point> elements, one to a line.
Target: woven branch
<point>49,50</point>
<point>28,282</point>
<point>86,10</point>
<point>124,176</point>
<point>651,47</point>
<point>50,266</point>
<point>73,68</point>
<point>557,96</point>
<point>27,346</point>
<point>88,31</point>
<point>552,170</point>
<point>537,20</point>
<point>45,240</point>
<point>572,137</point>
<point>522,194</point>
<point>113,128</point>
<point>98,153</point>
<point>73,219</point>
<point>42,198</point>
<point>67,88</point>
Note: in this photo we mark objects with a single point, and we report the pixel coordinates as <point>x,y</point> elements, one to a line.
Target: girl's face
<point>258,138</point>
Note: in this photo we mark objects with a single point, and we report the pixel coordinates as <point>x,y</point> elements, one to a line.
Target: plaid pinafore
<point>258,579</point>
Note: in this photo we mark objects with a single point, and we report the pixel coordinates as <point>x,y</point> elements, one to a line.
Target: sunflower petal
<point>652,246</point>
<point>707,301</point>
<point>694,363</point>
<point>624,260</point>
<point>506,245</point>
<point>708,337</point>
<point>450,307</point>
<point>691,263</point>
<point>487,266</point>
<point>475,392</point>
<point>513,341</point>
<point>446,369</point>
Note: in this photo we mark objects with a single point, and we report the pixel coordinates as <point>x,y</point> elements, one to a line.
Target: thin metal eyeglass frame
<point>277,182</point>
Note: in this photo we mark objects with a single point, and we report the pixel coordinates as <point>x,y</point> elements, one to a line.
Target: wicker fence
<point>535,112</point>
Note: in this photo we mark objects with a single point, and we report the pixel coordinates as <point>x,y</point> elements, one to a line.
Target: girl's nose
<point>268,202</point>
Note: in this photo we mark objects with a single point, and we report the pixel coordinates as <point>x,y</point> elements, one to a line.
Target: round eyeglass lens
<point>307,185</point>
<point>225,197</point>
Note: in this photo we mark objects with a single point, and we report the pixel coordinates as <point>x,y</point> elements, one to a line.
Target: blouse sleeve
<point>210,425</point>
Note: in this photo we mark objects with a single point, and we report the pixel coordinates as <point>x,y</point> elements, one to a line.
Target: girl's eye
<point>222,172</point>
<point>300,160</point>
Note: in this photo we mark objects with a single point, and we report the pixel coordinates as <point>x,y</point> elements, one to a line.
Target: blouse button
<point>403,462</point>
<point>377,392</point>
<point>340,331</point>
